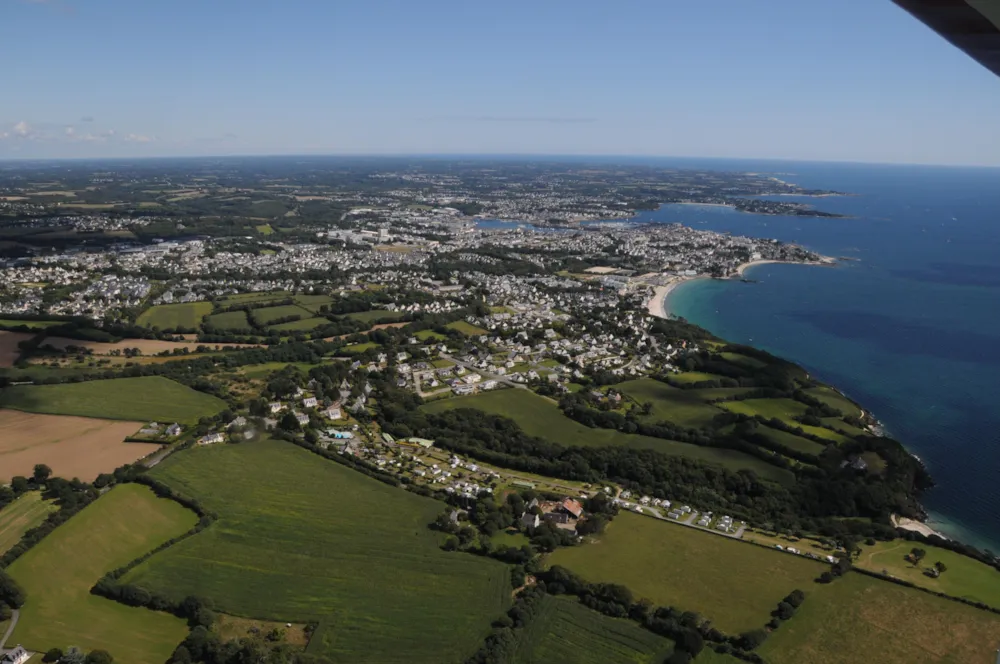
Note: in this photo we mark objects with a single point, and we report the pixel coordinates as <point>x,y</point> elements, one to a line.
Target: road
<point>158,456</point>
<point>15,614</point>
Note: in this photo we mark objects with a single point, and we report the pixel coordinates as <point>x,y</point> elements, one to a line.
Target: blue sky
<point>855,80</point>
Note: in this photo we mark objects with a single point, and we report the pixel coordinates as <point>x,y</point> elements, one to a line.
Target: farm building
<point>530,520</point>
<point>572,507</point>
<point>211,439</point>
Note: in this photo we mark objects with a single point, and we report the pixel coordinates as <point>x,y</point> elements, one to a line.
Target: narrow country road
<point>15,614</point>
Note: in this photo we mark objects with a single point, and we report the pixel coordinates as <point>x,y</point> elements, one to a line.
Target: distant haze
<point>854,80</point>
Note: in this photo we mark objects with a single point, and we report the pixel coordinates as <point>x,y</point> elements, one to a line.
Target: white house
<point>211,438</point>
<point>333,412</point>
<point>16,655</point>
<point>275,406</point>
<point>309,402</point>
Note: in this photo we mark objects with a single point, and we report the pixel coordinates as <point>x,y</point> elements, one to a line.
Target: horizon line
<point>479,155</point>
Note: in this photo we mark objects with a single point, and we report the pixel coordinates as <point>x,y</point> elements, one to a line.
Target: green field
<point>376,314</point>
<point>170,316</point>
<point>712,393</point>
<point>312,302</point>
<point>360,347</point>
<point>832,436</point>
<point>32,324</point>
<point>790,440</point>
<point>844,427</point>
<point>302,539</point>
<point>58,573</point>
<point>260,296</point>
<point>749,362</point>
<point>734,584</point>
<point>465,328</point>
<point>146,398</point>
<point>670,403</point>
<point>860,619</point>
<point>783,409</point>
<point>693,377</point>
<point>835,399</point>
<point>541,417</point>
<point>22,515</point>
<point>505,538</point>
<point>564,630</point>
<point>264,229</point>
<point>265,315</point>
<point>429,335</point>
<point>230,320</point>
<point>267,368</point>
<point>965,577</point>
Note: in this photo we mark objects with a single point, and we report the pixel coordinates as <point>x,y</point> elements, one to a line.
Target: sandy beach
<point>657,305</point>
<point>823,261</point>
<point>914,525</point>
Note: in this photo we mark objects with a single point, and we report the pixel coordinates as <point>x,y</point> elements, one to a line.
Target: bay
<point>910,327</point>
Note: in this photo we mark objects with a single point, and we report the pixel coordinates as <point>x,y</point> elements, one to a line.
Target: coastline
<point>657,304</point>
<point>824,261</point>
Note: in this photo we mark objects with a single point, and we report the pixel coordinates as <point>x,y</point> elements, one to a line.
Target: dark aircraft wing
<point>971,25</point>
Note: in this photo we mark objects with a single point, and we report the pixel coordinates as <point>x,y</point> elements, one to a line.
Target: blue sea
<point>909,327</point>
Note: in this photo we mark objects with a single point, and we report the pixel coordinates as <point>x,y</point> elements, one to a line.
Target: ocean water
<point>909,326</point>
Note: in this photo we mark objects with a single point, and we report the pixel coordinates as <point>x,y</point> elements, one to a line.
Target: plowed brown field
<point>81,447</point>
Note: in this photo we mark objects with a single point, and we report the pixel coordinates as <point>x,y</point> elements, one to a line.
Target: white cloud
<point>139,138</point>
<point>22,128</point>
<point>70,130</point>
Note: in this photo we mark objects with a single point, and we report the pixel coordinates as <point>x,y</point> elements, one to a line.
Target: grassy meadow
<point>32,324</point>
<point>304,325</point>
<point>229,320</point>
<point>260,296</point>
<point>301,538</point>
<point>835,399</point>
<point>22,515</point>
<point>145,398</point>
<point>265,315</point>
<point>429,335</point>
<point>312,302</point>
<point>670,403</point>
<point>541,417</point>
<point>964,577</point>
<point>376,314</point>
<point>782,409</point>
<point>58,573</point>
<point>169,316</point>
<point>734,584</point>
<point>465,328</point>
<point>790,440</point>
<point>861,619</point>
<point>564,630</point>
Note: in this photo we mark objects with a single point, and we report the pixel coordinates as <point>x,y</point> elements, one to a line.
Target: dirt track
<point>81,447</point>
